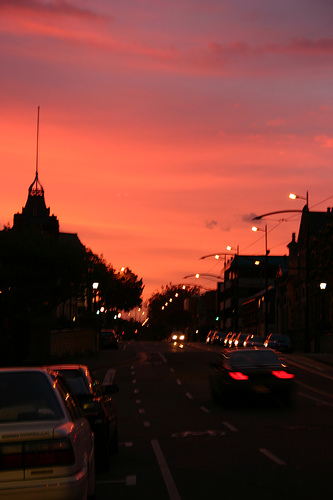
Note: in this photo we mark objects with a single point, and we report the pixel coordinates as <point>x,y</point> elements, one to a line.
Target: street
<point>175,443</point>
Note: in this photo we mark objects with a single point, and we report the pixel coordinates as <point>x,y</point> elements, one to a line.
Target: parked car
<point>108,339</point>
<point>210,336</point>
<point>239,339</point>
<point>250,371</point>
<point>218,338</point>
<point>253,340</point>
<point>279,342</point>
<point>46,445</point>
<point>231,340</point>
<point>227,338</point>
<point>98,407</point>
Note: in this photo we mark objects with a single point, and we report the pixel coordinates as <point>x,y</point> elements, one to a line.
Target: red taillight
<point>11,456</point>
<point>283,374</point>
<point>238,376</point>
<point>36,454</point>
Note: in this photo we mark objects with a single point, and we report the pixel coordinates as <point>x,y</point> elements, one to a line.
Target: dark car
<point>239,339</point>
<point>218,338</point>
<point>210,336</point>
<point>108,339</point>
<point>253,340</point>
<point>98,407</point>
<point>240,373</point>
<point>279,342</point>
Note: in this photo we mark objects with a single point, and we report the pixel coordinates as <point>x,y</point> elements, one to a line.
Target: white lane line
<point>189,395</point>
<point>178,381</point>
<point>136,391</point>
<point>142,411</point>
<point>204,409</point>
<point>270,455</point>
<point>163,358</point>
<point>109,376</point>
<point>172,370</point>
<point>146,423</point>
<point>134,381</point>
<point>230,427</point>
<point>129,481</point>
<point>168,479</point>
<point>138,401</point>
<point>316,400</point>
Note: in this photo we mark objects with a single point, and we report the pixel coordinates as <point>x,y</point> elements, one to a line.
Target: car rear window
<point>76,382</point>
<point>27,396</point>
<point>253,358</point>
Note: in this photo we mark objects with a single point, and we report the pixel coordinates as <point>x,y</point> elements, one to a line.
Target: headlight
<point>174,337</point>
<point>182,337</point>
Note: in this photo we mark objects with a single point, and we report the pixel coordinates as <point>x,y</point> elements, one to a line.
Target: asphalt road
<point>175,443</point>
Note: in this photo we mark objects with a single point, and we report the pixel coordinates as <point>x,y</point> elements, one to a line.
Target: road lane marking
<point>316,400</point>
<point>146,423</point>
<point>142,411</point>
<point>129,481</point>
<point>204,409</point>
<point>168,479</point>
<point>138,401</point>
<point>163,358</point>
<point>178,381</point>
<point>189,395</point>
<point>270,455</point>
<point>134,381</point>
<point>230,427</point>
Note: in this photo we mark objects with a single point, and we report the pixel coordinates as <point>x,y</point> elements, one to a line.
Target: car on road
<point>108,339</point>
<point>177,337</point>
<point>98,406</point>
<point>240,373</point>
<point>46,445</point>
<point>239,340</point>
<point>281,343</point>
<point>253,340</point>
<point>218,338</point>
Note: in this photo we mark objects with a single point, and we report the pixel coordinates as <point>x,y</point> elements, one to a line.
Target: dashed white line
<point>168,479</point>
<point>270,455</point>
<point>146,423</point>
<point>178,381</point>
<point>204,409</point>
<point>230,427</point>
<point>189,395</point>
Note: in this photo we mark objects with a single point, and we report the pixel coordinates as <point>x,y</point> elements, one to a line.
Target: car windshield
<point>76,382</point>
<point>27,396</point>
<point>253,358</point>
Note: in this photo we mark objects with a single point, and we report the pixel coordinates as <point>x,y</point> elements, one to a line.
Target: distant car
<point>239,339</point>
<point>210,336</point>
<point>253,341</point>
<point>248,372</point>
<point>218,338</point>
<point>98,407</point>
<point>46,445</point>
<point>108,339</point>
<point>177,337</point>
<point>281,343</point>
<point>231,339</point>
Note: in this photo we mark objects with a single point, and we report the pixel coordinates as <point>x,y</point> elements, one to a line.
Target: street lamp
<point>255,228</point>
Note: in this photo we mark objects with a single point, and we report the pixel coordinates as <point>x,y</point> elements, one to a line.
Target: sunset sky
<point>166,126</point>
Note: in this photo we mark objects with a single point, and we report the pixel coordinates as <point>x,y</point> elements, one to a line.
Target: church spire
<point>36,189</point>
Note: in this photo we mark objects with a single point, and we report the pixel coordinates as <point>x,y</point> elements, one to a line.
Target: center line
<point>272,457</point>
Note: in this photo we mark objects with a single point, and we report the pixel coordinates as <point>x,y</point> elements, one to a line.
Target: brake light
<point>36,454</point>
<point>283,374</point>
<point>11,456</point>
<point>238,376</point>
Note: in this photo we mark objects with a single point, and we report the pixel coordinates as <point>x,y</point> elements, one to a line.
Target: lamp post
<point>294,196</point>
<point>255,228</point>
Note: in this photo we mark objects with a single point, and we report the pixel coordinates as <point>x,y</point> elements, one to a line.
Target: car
<point>231,339</point>
<point>108,339</point>
<point>210,336</point>
<point>242,373</point>
<point>98,407</point>
<point>46,444</point>
<point>177,337</point>
<point>253,340</point>
<point>218,338</point>
<point>227,338</point>
<point>281,343</point>
<point>239,339</point>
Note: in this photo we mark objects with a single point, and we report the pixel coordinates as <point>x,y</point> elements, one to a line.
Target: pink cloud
<point>324,141</point>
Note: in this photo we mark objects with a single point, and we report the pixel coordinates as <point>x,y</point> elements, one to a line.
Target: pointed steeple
<point>35,214</point>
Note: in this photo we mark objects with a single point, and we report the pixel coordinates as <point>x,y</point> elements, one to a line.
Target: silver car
<point>46,445</point>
